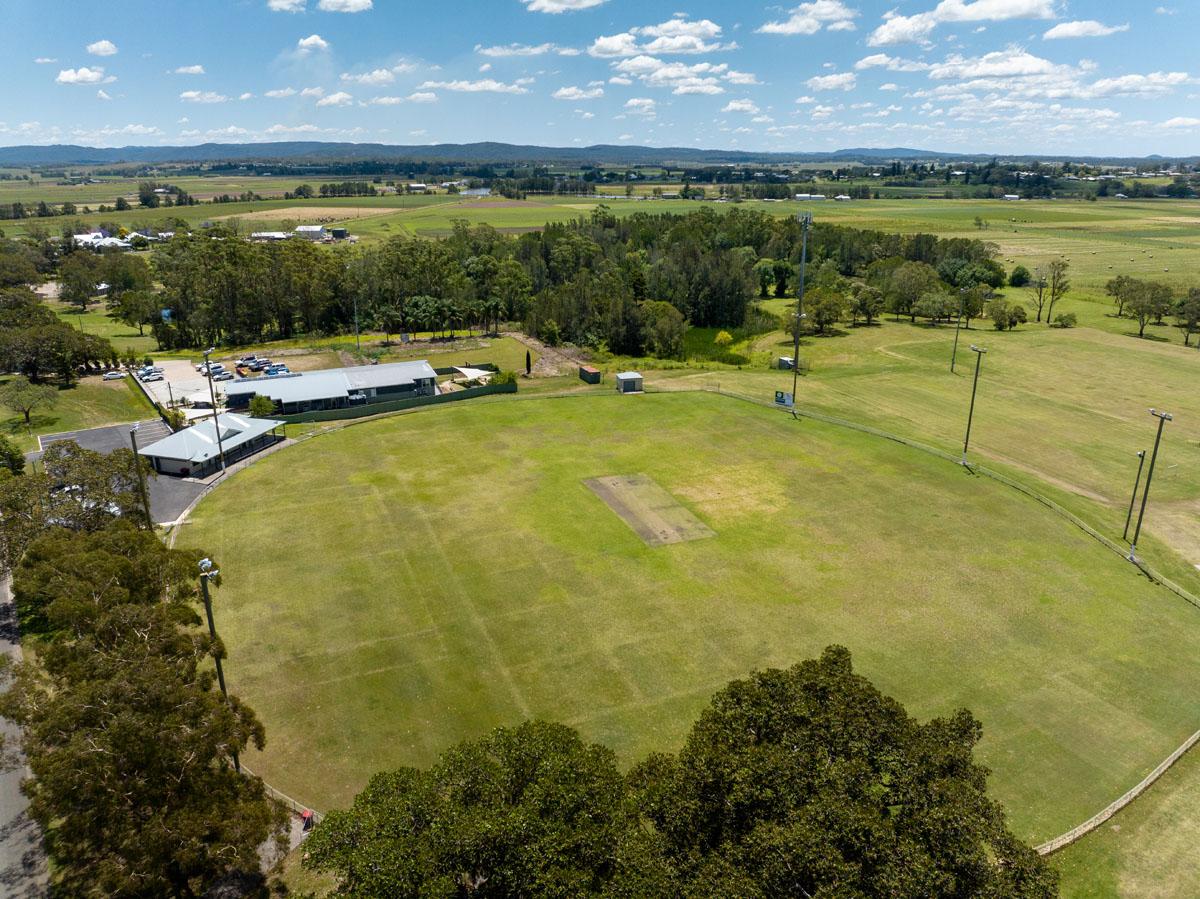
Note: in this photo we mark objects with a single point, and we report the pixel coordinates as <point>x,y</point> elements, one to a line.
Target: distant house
<point>311,232</point>
<point>816,198</point>
<point>1012,197</point>
<point>196,451</point>
<point>336,388</point>
<point>270,236</point>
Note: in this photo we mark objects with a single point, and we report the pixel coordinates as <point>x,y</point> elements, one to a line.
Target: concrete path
<point>23,870</point>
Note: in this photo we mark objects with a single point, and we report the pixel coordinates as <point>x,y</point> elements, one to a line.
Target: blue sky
<point>1007,76</point>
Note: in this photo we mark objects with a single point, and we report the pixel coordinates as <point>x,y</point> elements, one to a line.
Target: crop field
<point>436,574</point>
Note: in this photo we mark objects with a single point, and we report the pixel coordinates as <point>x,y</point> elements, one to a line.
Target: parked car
<point>247,360</point>
<point>114,375</point>
<point>223,376</point>
<point>151,376</point>
<point>259,364</point>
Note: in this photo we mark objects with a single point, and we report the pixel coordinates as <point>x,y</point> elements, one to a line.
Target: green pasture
<point>1149,849</point>
<point>432,575</point>
<point>96,320</point>
<point>1063,408</point>
<point>90,403</point>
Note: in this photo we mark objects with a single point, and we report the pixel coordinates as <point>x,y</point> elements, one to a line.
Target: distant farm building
<point>336,388</point>
<point>311,232</point>
<point>476,192</point>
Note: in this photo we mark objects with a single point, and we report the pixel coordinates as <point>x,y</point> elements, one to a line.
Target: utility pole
<point>962,304</point>
<point>206,572</point>
<point>1163,418</point>
<point>805,224</point>
<point>1133,499</point>
<point>357,339</point>
<point>212,392</point>
<point>141,475</point>
<point>978,351</point>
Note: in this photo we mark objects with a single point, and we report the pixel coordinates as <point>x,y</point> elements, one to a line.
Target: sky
<point>1082,77</point>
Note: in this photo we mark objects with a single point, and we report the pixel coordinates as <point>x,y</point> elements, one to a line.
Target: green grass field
<point>90,403</point>
<point>433,575</point>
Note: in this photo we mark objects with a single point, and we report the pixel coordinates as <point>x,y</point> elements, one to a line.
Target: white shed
<point>630,382</point>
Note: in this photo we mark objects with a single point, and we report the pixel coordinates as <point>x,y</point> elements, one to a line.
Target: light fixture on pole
<point>1133,499</point>
<point>962,304</point>
<point>978,351</point>
<point>805,224</point>
<point>141,476</point>
<point>206,573</point>
<point>212,392</point>
<point>1163,418</point>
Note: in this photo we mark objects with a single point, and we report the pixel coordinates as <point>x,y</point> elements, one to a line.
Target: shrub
<point>261,406</point>
<point>504,377</point>
<point>1065,320</point>
<point>723,339</point>
<point>1020,276</point>
<point>550,334</point>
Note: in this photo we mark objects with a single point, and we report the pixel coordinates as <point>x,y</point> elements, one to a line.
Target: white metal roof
<point>629,376</point>
<point>333,383</point>
<point>198,443</point>
<point>310,228</point>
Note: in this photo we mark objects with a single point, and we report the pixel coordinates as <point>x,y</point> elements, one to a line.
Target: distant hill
<point>476,154</point>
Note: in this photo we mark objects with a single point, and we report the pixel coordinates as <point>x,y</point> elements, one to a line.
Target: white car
<point>114,375</point>
<point>152,376</point>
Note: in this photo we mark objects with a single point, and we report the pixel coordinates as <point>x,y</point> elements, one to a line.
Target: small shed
<point>629,382</point>
<point>787,363</point>
<point>589,375</point>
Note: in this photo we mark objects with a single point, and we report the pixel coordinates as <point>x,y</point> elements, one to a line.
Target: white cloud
<point>84,75</point>
<point>419,97</point>
<point>484,85</point>
<point>525,50</point>
<point>279,93</point>
<point>341,98</point>
<point>578,93</point>
<point>1181,122</point>
<point>246,96</point>
<point>843,81</point>
<point>1152,84</point>
<point>802,101</point>
<point>809,18</point>
<point>190,70</point>
<point>735,77</point>
<point>202,97</point>
<point>747,106</point>
<point>680,78</point>
<point>621,80</point>
<point>102,94</point>
<point>45,60</point>
<point>286,5</point>
<point>554,7</point>
<point>1086,28</point>
<point>374,77</point>
<point>898,29</point>
<point>317,92</point>
<point>102,48</point>
<point>423,97</point>
<point>891,63</point>
<point>312,42</point>
<point>344,5</point>
<point>643,106</point>
<point>890,86</point>
<point>679,35</point>
<point>293,129</point>
<point>1009,62</point>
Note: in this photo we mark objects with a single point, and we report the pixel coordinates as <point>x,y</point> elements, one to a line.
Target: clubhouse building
<point>196,452</point>
<point>335,388</point>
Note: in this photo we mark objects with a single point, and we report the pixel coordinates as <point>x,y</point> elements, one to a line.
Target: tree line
<point>629,285</point>
<point>128,741</point>
<point>804,782</point>
<point>1149,302</point>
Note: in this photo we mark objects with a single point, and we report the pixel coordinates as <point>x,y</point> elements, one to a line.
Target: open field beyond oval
<point>434,575</point>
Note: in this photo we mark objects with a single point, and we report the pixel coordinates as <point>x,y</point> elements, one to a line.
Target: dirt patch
<point>315,215</point>
<point>652,513</point>
<point>552,361</point>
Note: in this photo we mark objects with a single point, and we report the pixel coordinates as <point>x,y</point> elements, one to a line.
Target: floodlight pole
<point>212,392</point>
<point>141,475</point>
<point>962,302</point>
<point>206,572</point>
<point>1133,499</point>
<point>1163,418</point>
<point>805,224</point>
<point>978,351</point>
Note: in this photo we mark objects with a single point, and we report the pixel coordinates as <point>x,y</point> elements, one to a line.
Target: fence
<point>396,405</point>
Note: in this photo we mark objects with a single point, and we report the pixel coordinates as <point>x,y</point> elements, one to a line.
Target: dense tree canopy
<point>805,782</point>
